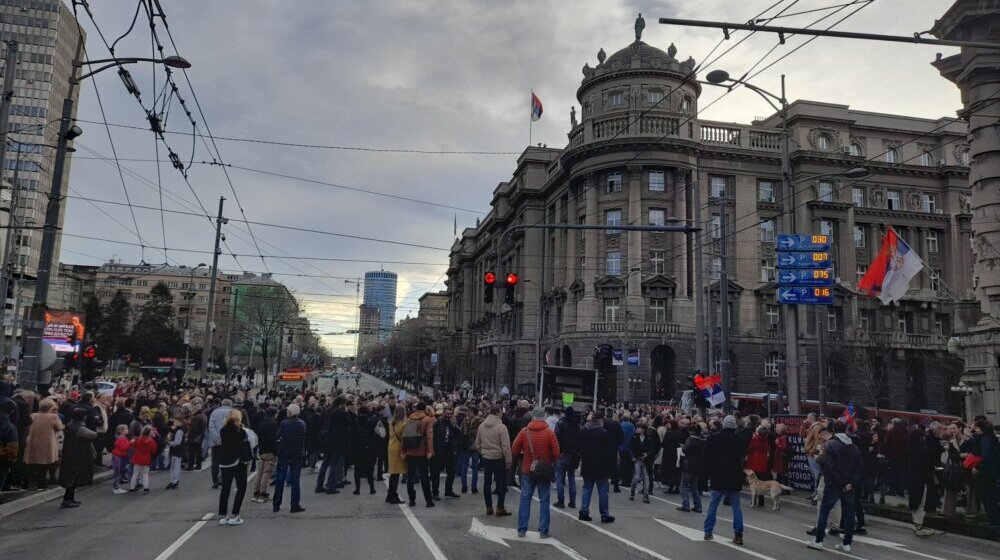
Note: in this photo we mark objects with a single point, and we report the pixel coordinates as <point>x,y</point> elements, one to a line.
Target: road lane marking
<point>607,533</point>
<point>184,538</point>
<point>697,535</point>
<point>421,532</point>
<point>501,535</point>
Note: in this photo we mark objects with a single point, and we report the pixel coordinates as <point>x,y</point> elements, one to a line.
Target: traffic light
<point>90,352</point>
<point>511,281</point>
<point>69,360</point>
<point>87,366</point>
<point>490,280</point>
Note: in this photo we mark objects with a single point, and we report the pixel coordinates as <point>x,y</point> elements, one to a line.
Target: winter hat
<point>729,422</point>
<point>538,413</point>
<point>293,410</point>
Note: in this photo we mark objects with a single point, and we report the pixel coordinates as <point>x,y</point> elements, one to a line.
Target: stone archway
<point>567,356</point>
<point>663,360</point>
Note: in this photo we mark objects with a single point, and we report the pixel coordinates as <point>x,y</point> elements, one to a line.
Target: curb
<point>951,538</point>
<point>16,506</point>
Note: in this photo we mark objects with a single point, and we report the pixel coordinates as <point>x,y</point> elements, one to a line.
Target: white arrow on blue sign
<point>805,296</point>
<point>801,278</point>
<point>810,260</point>
<point>800,242</point>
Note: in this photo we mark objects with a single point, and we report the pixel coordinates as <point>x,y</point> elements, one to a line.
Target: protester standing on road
<point>723,463</point>
<point>536,442</point>
<point>643,448</point>
<point>445,444</point>
<point>175,445</point>
<point>568,434</point>
<point>467,420</point>
<point>842,467</point>
<point>196,435</point>
<point>335,446</point>
<point>267,447</point>
<point>234,455</point>
<point>597,466</point>
<point>364,444</point>
<point>213,439</point>
<point>988,471</point>
<point>493,444</point>
<point>290,445</point>
<point>691,470</point>
<point>42,447</point>
<point>77,457</point>
<point>418,445</point>
<point>397,458</point>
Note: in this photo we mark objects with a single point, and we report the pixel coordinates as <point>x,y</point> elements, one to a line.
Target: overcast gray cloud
<point>413,74</point>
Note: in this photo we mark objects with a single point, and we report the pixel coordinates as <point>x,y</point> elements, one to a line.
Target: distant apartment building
<point>368,328</point>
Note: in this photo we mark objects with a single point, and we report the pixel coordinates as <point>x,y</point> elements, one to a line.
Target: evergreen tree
<point>112,338</point>
<point>93,320</point>
<point>154,334</point>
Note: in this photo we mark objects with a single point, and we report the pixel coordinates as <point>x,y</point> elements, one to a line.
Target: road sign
<point>810,260</point>
<point>800,242</point>
<point>807,296</point>
<point>794,278</point>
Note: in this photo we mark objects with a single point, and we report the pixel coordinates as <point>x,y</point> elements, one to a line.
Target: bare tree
<point>871,363</point>
<point>262,311</point>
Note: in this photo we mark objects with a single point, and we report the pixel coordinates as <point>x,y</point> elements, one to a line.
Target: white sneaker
<point>843,547</point>
<point>815,545</point>
<point>235,521</point>
<point>224,521</point>
<point>119,491</point>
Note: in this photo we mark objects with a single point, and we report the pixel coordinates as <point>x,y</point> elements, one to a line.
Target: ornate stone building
<point>639,155</point>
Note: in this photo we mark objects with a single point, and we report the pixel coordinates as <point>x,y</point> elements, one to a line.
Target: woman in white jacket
<point>176,447</point>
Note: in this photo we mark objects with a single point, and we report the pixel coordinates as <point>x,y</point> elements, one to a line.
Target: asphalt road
<point>179,524</point>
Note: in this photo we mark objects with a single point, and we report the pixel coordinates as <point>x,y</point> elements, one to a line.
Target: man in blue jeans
<point>291,438</point>
<point>723,464</point>
<point>535,442</point>
<point>597,465</point>
<point>493,442</point>
<point>842,466</point>
<point>335,447</point>
<point>567,433</point>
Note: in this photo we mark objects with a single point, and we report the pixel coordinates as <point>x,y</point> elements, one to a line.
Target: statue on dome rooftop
<point>640,24</point>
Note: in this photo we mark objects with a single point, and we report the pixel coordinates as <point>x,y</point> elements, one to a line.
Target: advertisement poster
<point>633,357</point>
<point>797,470</point>
<point>616,358</point>
<point>64,330</point>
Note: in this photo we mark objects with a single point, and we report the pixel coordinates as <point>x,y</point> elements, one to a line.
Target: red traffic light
<point>90,352</point>
<point>512,279</point>
<point>490,278</point>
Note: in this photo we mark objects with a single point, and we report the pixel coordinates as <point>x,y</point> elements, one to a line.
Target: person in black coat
<point>77,465</point>
<point>598,459</point>
<point>923,490</point>
<point>723,465</point>
<point>364,449</point>
<point>645,445</point>
<point>445,444</point>
<point>314,429</point>
<point>267,443</point>
<point>691,469</point>
<point>290,440</point>
<point>337,426</point>
<point>842,466</point>
<point>568,435</point>
<point>614,429</point>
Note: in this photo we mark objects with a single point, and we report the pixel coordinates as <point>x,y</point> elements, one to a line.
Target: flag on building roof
<point>536,107</point>
<point>889,275</point>
<point>711,388</point>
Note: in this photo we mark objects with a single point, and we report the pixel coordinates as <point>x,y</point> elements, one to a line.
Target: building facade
<point>368,326</point>
<point>73,286</point>
<point>433,310</point>
<point>640,155</point>
<point>380,292</point>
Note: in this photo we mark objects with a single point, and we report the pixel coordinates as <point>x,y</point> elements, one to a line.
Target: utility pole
<point>229,328</point>
<point>820,358</point>
<point>724,312</point>
<point>791,311</point>
<point>210,319</point>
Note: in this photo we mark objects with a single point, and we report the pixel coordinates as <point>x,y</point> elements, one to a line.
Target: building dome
<point>648,56</point>
<point>636,58</point>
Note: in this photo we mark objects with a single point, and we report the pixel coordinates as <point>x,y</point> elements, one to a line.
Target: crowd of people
<point>484,444</point>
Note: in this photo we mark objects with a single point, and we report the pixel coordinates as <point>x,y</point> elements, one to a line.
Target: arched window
<point>925,159</point>
<point>823,142</point>
<point>855,149</point>
<point>892,155</point>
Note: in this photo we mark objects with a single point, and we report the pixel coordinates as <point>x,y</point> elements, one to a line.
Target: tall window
<point>655,96</point>
<point>855,149</point>
<point>932,242</point>
<point>773,315</point>
<point>926,159</point>
<point>612,218</point>
<point>658,310</point>
<point>716,268</point>
<point>614,263</point>
<point>767,270</point>
<point>656,217</point>
<point>772,365</point>
<point>862,270</point>
<point>686,104</point>
<point>612,309</point>
<point>826,228</point>
<point>905,322</point>
<point>767,231</point>
<point>616,100</point>
<point>892,155</point>
<point>831,319</point>
<point>866,320</point>
<point>823,142</point>
<point>928,203</point>
<point>657,264</point>
<point>859,236</point>
<point>858,197</point>
<point>765,190</point>
<point>716,226</point>
<point>656,181</point>
<point>825,190</point>
<point>892,200</point>
<point>614,182</point>
<point>936,280</point>
<point>717,186</point>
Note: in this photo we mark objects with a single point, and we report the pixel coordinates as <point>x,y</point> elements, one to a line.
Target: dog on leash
<point>760,487</point>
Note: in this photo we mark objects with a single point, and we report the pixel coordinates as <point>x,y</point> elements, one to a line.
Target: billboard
<point>64,330</point>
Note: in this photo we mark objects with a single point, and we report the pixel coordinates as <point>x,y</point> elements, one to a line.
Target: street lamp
<point>67,131</point>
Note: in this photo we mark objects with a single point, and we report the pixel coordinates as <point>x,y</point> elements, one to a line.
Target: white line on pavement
<point>607,533</point>
<point>421,532</point>
<point>696,535</point>
<point>184,538</point>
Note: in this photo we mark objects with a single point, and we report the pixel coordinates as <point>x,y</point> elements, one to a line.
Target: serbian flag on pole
<point>848,416</point>
<point>536,107</point>
<point>889,275</point>
<point>711,388</point>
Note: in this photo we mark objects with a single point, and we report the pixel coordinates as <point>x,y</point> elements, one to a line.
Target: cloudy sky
<point>405,75</point>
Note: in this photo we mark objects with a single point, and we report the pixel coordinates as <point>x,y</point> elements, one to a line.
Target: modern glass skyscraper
<point>380,292</point>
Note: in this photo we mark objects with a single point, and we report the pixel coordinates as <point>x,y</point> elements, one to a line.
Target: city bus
<point>299,378</point>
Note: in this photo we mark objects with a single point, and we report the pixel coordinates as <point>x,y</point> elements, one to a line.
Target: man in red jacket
<point>535,441</point>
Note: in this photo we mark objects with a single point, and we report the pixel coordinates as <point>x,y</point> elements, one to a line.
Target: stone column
<point>587,308</point>
<point>569,318</point>
<point>677,185</point>
<point>975,72</point>
<point>633,300</point>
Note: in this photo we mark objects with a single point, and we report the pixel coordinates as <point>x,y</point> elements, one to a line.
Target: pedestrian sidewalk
<point>20,500</point>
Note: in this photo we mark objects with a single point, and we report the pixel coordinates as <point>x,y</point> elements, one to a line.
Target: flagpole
<point>531,113</point>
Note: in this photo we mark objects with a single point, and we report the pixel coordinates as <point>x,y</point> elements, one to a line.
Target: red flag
<point>871,283</point>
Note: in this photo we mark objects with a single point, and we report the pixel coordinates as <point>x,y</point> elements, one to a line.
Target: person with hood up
<point>723,464</point>
<point>567,433</point>
<point>597,465</point>
<point>536,442</point>
<point>493,444</point>
<point>842,466</point>
<point>77,457</point>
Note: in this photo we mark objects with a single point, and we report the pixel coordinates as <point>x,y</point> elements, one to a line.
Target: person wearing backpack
<point>493,444</point>
<point>539,447</point>
<point>418,446</point>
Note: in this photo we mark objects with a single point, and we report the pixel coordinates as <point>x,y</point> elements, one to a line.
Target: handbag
<point>972,462</point>
<point>541,471</point>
